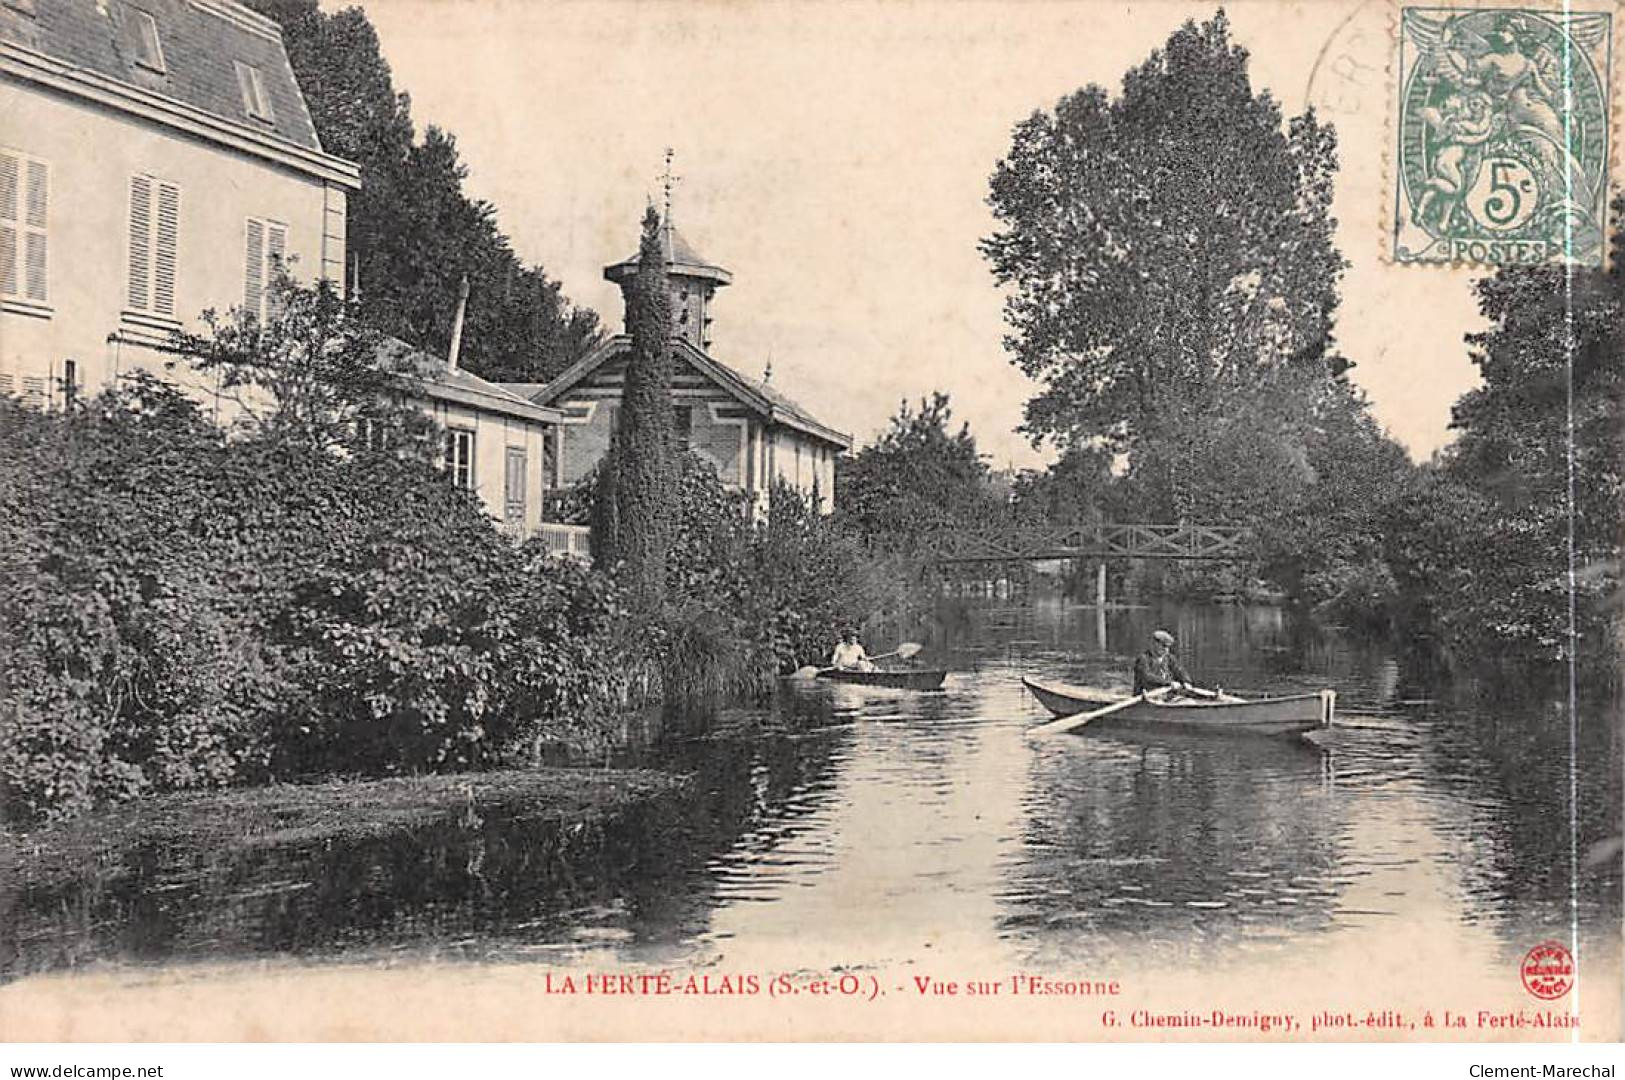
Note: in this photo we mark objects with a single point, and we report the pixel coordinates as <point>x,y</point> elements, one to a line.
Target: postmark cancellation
<point>1503,136</point>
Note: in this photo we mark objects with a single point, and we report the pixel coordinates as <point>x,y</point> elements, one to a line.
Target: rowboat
<point>1282,716</point>
<point>1069,700</point>
<point>896,680</point>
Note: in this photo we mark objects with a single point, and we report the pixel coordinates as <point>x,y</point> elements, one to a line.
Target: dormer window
<point>149,50</point>
<point>255,103</point>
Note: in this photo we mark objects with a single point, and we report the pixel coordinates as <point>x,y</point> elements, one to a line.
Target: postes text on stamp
<point>1503,136</point>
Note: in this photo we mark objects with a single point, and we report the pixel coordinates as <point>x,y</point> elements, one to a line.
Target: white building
<point>157,160</point>
<point>156,157</point>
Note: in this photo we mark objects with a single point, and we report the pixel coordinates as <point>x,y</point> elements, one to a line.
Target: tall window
<point>24,191</point>
<point>265,248</point>
<point>460,457</point>
<point>682,426</point>
<point>155,218</point>
<point>149,50</point>
<point>255,103</point>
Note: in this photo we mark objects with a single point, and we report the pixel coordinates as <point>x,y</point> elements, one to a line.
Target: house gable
<point>602,374</point>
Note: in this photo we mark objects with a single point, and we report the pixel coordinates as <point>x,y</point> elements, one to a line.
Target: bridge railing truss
<point>1123,541</point>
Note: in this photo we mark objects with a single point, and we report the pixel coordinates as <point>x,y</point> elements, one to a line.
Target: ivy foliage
<point>183,606</point>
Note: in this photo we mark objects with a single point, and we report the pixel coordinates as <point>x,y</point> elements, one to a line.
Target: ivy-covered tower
<point>692,282</point>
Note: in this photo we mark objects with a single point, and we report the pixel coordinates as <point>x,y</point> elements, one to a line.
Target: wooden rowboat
<point>896,680</point>
<point>1282,716</point>
<point>1069,700</point>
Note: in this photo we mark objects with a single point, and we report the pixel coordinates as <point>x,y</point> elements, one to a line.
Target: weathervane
<point>668,180</point>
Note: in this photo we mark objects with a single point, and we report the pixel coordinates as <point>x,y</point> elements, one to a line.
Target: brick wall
<point>717,441</point>
<point>585,443</point>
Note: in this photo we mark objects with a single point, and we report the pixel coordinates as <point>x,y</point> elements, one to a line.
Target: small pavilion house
<point>747,429</point>
<point>498,444</point>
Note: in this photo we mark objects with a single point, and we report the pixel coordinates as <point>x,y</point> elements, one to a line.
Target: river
<point>858,829</point>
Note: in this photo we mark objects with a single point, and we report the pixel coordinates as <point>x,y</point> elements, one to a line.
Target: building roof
<point>102,49</point>
<point>434,379</point>
<point>526,390</point>
<point>681,258</point>
<point>755,394</point>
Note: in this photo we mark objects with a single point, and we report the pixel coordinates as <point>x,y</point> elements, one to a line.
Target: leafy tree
<point>1163,248</point>
<point>1070,491</point>
<point>636,481</point>
<point>1551,408</point>
<point>413,232</point>
<point>917,476</point>
<point>807,577</point>
<point>313,375</point>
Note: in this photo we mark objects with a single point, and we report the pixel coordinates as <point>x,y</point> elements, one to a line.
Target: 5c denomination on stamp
<point>1503,136</point>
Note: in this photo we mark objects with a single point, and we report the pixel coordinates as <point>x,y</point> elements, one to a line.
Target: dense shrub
<point>180,610</point>
<point>424,640</point>
<point>132,660</point>
<point>813,578</point>
<point>747,599</point>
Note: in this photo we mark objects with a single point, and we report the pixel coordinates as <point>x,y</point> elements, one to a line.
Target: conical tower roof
<point>681,259</point>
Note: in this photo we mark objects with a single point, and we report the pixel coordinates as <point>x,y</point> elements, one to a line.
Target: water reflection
<point>851,826</point>
<point>1150,846</point>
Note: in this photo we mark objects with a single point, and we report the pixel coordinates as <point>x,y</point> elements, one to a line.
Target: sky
<point>835,157</point>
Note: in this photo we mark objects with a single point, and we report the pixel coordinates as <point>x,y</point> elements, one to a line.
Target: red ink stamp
<point>1548,971</point>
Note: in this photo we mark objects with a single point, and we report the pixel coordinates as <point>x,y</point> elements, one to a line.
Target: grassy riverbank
<point>286,814</point>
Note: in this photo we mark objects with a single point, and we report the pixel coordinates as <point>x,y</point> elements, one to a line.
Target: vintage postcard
<point>885,520</point>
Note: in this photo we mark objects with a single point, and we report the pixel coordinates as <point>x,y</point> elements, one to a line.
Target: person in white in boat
<point>849,655</point>
<point>1158,667</point>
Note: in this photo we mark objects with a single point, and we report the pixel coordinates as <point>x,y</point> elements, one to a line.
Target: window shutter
<point>276,248</point>
<point>8,259</point>
<point>9,169</point>
<point>38,190</point>
<point>34,258</point>
<point>35,255</point>
<point>10,173</point>
<point>254,268</point>
<point>140,243</point>
<point>163,276</point>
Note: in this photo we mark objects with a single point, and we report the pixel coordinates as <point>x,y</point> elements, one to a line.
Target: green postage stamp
<point>1503,136</point>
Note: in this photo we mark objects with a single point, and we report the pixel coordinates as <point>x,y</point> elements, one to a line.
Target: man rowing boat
<point>849,655</point>
<point>1158,667</point>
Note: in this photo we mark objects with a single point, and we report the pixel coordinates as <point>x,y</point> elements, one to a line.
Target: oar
<point>907,650</point>
<point>1068,723</point>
